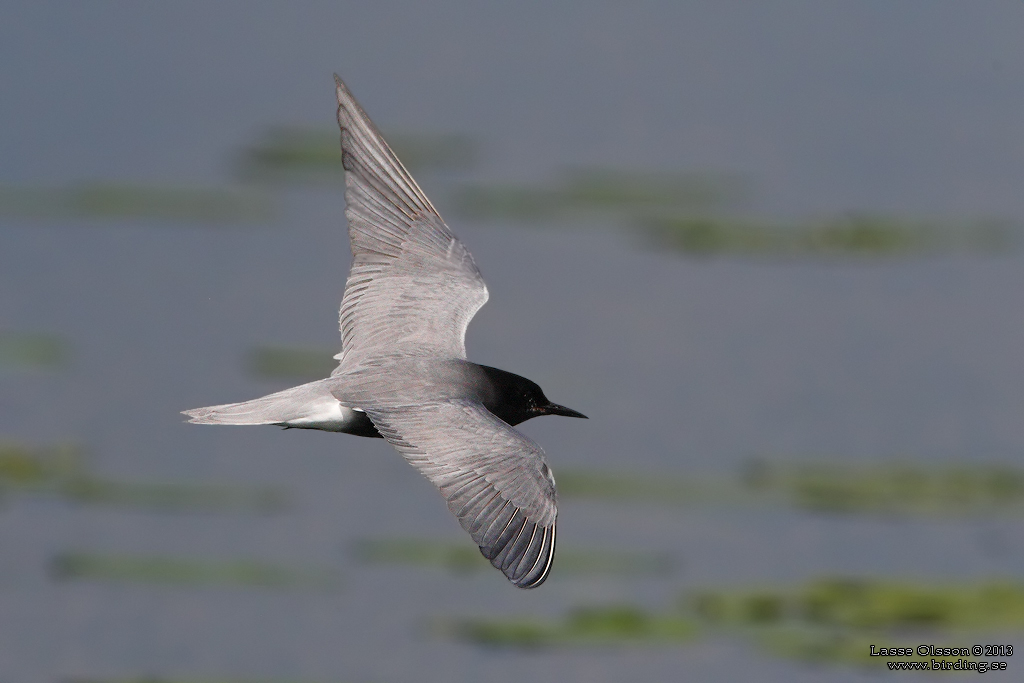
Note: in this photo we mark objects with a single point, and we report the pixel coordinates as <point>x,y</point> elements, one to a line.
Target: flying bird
<point>403,374</point>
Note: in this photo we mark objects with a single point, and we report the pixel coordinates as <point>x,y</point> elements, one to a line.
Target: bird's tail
<point>290,405</point>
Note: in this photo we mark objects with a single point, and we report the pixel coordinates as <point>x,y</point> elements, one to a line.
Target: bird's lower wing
<point>496,480</point>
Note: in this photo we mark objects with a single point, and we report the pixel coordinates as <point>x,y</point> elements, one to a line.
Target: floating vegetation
<point>60,471</point>
<point>849,235</point>
<point>312,155</point>
<point>186,572</point>
<point>19,351</point>
<point>624,488</point>
<point>280,362</point>
<point>597,188</point>
<point>945,490</point>
<point>35,468</point>
<point>584,192</point>
<point>608,625</point>
<point>525,204</point>
<point>891,489</point>
<point>464,558</point>
<point>174,496</point>
<point>869,605</point>
<point>111,202</point>
<point>830,620</point>
<point>685,212</point>
<point>839,619</point>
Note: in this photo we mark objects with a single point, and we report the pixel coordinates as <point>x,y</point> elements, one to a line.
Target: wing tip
<point>509,559</point>
<point>541,568</point>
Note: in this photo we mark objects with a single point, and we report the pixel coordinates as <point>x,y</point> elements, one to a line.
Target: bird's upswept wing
<point>496,481</point>
<point>413,284</point>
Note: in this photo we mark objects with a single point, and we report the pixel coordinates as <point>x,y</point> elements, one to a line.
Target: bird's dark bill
<point>555,409</point>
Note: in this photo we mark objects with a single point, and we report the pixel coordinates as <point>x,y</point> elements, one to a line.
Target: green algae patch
<point>123,202</point>
<point>622,487</point>
<point>696,214</point>
<point>462,558</point>
<point>168,570</point>
<point>605,625</point>
<point>293,153</point>
<point>822,646</point>
<point>597,188</point>
<point>509,202</point>
<point>840,619</point>
<point>458,558</point>
<point>830,620</point>
<point>61,471</point>
<point>869,605</point>
<point>281,362</point>
<point>897,488</point>
<point>37,468</point>
<point>174,496</point>
<point>296,155</point>
<point>26,351</point>
<point>851,235</point>
<point>587,192</point>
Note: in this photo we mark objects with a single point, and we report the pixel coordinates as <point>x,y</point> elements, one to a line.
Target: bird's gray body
<point>403,374</point>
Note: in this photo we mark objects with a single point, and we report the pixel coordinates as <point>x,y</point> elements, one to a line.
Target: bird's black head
<point>516,399</point>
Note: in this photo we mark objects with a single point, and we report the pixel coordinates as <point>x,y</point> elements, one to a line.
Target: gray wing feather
<point>413,286</point>
<point>496,481</point>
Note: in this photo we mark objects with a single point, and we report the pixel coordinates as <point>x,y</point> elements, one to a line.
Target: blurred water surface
<point>771,399</point>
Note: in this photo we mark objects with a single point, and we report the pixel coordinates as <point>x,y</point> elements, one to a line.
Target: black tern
<point>403,374</point>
